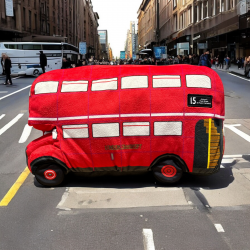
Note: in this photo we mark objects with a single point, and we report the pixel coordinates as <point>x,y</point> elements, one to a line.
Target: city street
<point>111,213</point>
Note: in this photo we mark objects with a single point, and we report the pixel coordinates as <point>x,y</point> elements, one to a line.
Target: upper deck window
<point>198,81</point>
<point>136,128</point>
<point>106,130</point>
<point>74,86</point>
<point>134,82</point>
<point>166,81</point>
<point>46,87</point>
<point>104,84</point>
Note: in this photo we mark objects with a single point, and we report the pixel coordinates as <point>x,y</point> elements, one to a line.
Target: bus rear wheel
<point>49,175</point>
<point>167,171</point>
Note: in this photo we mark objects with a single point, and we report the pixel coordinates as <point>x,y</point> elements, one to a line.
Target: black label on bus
<point>200,101</point>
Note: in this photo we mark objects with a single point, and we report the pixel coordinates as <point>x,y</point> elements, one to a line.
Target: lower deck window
<point>168,128</point>
<point>75,131</point>
<point>106,130</point>
<point>136,128</point>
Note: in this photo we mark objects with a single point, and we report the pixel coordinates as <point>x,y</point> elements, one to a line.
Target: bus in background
<point>25,56</point>
<point>127,118</point>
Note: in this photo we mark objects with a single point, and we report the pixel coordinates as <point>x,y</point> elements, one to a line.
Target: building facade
<point>131,43</point>
<point>106,51</point>
<point>192,26</point>
<point>51,20</point>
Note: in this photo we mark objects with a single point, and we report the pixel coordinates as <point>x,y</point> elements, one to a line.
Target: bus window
<point>6,46</point>
<point>198,81</point>
<point>12,46</point>
<point>105,130</point>
<point>46,87</point>
<point>75,131</point>
<point>168,128</point>
<point>52,47</point>
<point>74,86</point>
<point>136,128</point>
<point>132,82</point>
<point>19,46</point>
<point>166,81</point>
<point>104,84</point>
<point>37,46</point>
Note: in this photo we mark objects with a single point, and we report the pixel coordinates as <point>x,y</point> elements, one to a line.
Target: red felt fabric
<point>121,151</point>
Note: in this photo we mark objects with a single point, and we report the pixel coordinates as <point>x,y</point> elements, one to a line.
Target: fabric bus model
<point>126,118</point>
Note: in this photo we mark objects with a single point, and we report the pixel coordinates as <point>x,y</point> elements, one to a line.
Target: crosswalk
<point>9,124</point>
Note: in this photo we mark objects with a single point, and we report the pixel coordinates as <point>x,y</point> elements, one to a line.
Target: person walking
<point>2,63</point>
<point>238,62</point>
<point>7,66</point>
<point>43,61</point>
<point>205,59</point>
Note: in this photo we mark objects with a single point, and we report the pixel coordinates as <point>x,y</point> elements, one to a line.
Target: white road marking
<point>219,228</point>
<point>239,77</point>
<point>16,77</point>
<point>26,133</point>
<point>11,123</point>
<point>232,156</point>
<point>148,240</point>
<point>221,166</point>
<point>238,132</point>
<point>2,116</point>
<point>227,161</point>
<point>14,92</point>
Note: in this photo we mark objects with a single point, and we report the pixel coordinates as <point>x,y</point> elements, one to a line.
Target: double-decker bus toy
<point>126,118</point>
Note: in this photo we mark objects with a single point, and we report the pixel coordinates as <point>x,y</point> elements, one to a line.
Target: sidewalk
<point>233,69</point>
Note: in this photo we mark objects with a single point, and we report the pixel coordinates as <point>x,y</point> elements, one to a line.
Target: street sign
<point>122,55</point>
<point>9,7</point>
<point>82,48</point>
<point>159,51</point>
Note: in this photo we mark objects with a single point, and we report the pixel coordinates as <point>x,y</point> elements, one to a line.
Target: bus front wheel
<point>167,171</point>
<point>49,175</point>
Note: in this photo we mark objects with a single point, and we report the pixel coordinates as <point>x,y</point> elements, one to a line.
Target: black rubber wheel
<point>36,72</point>
<point>49,175</point>
<point>167,171</point>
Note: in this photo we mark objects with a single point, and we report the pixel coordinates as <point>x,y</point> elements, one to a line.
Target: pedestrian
<point>227,60</point>
<point>195,59</point>
<point>2,63</point>
<point>221,62</point>
<point>7,66</point>
<point>216,62</point>
<point>238,62</point>
<point>247,67</point>
<point>43,61</point>
<point>205,59</point>
<point>65,64</point>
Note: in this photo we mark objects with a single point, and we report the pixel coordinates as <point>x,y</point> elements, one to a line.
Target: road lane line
<point>148,239</point>
<point>238,132</point>
<point>239,77</point>
<point>26,133</point>
<point>219,228</point>
<point>2,116</point>
<point>14,92</point>
<point>13,190</point>
<point>11,123</point>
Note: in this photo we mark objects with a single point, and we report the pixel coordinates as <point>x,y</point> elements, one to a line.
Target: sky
<point>115,16</point>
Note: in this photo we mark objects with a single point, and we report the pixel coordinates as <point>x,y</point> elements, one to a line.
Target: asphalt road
<point>200,212</point>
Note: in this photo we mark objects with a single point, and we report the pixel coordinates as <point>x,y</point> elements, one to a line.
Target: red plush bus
<point>167,120</point>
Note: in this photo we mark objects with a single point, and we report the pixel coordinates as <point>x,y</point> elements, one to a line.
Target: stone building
<point>51,20</point>
<point>192,26</point>
<point>131,43</point>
